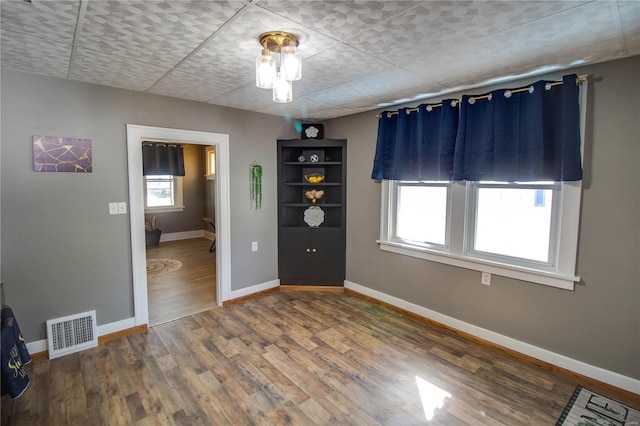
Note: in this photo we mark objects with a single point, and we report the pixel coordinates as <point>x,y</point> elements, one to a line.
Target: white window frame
<point>471,199</point>
<point>178,205</point>
<point>560,272</point>
<point>210,156</point>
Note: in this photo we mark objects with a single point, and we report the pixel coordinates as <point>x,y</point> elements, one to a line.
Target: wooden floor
<point>292,358</point>
<point>190,289</point>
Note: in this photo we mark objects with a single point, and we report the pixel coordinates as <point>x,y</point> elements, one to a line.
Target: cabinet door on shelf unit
<point>329,255</point>
<point>311,256</point>
<point>294,263</point>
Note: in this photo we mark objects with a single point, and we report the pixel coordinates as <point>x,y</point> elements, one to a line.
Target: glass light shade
<point>282,89</point>
<point>291,62</point>
<point>265,70</point>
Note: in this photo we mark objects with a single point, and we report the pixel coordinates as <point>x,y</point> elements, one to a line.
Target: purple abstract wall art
<point>58,154</point>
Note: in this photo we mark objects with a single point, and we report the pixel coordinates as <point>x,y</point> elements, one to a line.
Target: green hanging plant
<point>256,185</point>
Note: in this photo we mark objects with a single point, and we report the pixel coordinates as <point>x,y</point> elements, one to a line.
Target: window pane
<point>159,191</point>
<point>422,214</point>
<point>514,222</point>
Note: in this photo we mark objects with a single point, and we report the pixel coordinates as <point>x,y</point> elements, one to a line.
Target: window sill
<point>557,280</point>
<point>169,209</point>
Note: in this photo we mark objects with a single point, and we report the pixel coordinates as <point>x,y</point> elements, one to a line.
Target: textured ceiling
<point>358,55</point>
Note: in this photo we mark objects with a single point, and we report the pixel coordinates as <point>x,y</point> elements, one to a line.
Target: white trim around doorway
<point>135,135</point>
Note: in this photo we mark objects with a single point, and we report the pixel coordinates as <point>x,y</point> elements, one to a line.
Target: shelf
<point>312,184</point>
<point>319,163</point>
<point>310,227</point>
<point>309,255</point>
<point>311,204</point>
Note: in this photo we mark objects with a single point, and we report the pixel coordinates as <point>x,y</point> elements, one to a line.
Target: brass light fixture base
<point>275,40</point>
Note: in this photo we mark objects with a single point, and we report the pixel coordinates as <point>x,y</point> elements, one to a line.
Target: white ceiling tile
<point>336,65</point>
<point>246,97</point>
<point>48,20</point>
<point>370,89</point>
<point>158,32</point>
<point>194,87</point>
<point>506,52</point>
<point>35,55</point>
<point>339,19</point>
<point>440,26</point>
<point>629,16</point>
<point>233,50</point>
<point>101,68</point>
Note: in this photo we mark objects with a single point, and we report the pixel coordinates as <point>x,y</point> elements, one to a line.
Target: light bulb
<point>265,70</point>
<point>291,62</point>
<point>282,89</point>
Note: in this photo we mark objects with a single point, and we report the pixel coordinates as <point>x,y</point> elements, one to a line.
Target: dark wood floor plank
<point>292,358</point>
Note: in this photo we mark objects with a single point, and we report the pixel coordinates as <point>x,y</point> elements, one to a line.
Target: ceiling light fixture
<point>279,74</point>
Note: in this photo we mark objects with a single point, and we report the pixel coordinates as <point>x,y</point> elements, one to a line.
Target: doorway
<point>135,135</point>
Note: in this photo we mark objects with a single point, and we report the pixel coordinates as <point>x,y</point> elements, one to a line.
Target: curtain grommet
<point>507,93</point>
<point>429,108</point>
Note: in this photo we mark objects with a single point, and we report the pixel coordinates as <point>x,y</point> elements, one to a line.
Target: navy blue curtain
<point>416,145</point>
<point>531,135</point>
<point>527,135</point>
<point>162,159</point>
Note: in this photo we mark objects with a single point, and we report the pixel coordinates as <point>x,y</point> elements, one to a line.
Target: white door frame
<point>135,135</point>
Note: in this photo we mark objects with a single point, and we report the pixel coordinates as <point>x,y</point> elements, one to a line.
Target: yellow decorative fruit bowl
<point>314,178</point>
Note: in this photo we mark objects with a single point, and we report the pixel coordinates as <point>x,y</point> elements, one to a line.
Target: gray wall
<point>599,322</point>
<point>61,251</point>
<point>190,219</point>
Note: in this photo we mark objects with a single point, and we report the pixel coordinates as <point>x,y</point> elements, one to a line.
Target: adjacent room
<point>304,212</point>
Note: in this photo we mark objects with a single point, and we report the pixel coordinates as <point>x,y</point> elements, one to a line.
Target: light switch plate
<point>122,207</point>
<point>113,208</point>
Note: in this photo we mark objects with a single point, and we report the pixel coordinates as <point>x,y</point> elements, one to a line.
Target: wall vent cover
<point>71,334</point>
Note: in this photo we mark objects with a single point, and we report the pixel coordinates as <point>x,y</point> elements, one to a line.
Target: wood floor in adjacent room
<point>299,358</point>
<point>190,289</point>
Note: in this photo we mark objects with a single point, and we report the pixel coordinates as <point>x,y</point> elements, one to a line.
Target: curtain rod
<point>581,79</point>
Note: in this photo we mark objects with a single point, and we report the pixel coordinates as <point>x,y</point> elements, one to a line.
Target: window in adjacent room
<point>163,193</point>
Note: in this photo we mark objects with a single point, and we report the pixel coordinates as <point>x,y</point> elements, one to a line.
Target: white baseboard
<point>174,236</point>
<point>114,327</point>
<point>37,346</point>
<point>253,289</point>
<point>606,376</point>
<point>209,235</point>
<point>104,329</point>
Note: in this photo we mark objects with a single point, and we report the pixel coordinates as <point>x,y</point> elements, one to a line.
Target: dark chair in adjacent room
<point>213,227</point>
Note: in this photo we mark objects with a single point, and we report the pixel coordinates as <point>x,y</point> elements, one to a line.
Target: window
<point>163,193</point>
<point>211,162</point>
<point>526,231</point>
<point>512,220</point>
<point>422,211</point>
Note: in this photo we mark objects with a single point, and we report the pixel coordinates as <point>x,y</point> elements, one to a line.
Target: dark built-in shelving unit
<point>311,255</point>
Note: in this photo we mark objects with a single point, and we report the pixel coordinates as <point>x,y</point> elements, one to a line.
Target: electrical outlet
<point>122,207</point>
<point>254,246</point>
<point>113,208</point>
<point>485,278</point>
